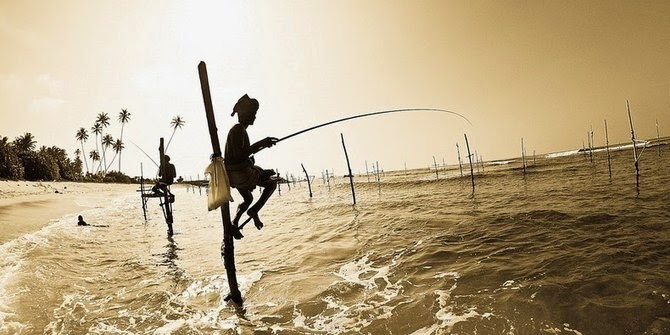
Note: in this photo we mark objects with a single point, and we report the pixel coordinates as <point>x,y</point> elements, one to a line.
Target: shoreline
<point>26,207</point>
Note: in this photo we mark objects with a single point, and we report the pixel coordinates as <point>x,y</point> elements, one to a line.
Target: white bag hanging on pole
<point>219,187</point>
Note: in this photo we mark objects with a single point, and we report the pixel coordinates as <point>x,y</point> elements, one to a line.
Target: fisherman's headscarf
<point>245,104</point>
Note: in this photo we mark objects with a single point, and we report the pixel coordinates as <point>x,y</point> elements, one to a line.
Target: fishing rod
<point>375,113</point>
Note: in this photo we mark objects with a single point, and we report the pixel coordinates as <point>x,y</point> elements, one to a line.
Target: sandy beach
<point>28,206</point>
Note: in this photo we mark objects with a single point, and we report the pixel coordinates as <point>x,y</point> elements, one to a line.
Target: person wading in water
<point>243,174</point>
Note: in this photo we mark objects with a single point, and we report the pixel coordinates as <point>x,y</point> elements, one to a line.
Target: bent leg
<point>269,187</point>
<point>248,198</point>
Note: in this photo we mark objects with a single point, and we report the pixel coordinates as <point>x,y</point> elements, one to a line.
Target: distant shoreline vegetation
<point>20,160</point>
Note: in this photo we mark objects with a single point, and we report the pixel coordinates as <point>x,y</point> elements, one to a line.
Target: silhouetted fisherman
<point>243,174</point>
<point>168,173</point>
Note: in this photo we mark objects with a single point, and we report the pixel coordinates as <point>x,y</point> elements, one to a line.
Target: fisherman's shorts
<point>249,177</point>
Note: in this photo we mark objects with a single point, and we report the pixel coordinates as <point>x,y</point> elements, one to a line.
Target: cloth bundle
<point>219,186</point>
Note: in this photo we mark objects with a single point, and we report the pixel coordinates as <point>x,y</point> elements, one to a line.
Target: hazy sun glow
<point>543,70</point>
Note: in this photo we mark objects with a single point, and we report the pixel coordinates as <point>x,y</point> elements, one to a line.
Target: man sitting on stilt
<point>167,172</point>
<point>242,173</point>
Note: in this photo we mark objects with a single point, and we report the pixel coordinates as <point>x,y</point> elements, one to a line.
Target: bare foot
<point>254,216</point>
<point>237,234</point>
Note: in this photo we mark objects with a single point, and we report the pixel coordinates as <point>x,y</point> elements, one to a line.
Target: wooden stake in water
<point>460,163</point>
<point>472,173</point>
<point>589,136</point>
<point>328,180</point>
<point>607,148</point>
<point>366,171</point>
<point>227,246</point>
<point>658,139</point>
<point>379,184</point>
<point>437,176</point>
<point>523,157</point>
<point>309,184</point>
<point>166,204</point>
<point>533,157</point>
<point>632,134</point>
<point>351,175</point>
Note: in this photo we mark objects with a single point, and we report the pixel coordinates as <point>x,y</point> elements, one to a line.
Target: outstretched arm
<point>262,144</point>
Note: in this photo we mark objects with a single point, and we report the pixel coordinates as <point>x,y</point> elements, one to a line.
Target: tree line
<point>19,159</point>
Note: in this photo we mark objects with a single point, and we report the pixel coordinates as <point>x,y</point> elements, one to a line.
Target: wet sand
<point>26,207</point>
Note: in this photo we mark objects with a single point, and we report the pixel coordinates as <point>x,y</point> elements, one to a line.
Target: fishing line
<point>138,147</point>
<point>375,113</point>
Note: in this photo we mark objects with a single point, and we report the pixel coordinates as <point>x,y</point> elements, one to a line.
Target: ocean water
<point>563,249</point>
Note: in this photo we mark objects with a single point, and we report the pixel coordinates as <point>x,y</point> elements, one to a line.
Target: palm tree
<point>177,122</point>
<point>124,117</point>
<point>118,147</point>
<point>97,130</point>
<point>103,120</point>
<point>107,141</point>
<point>82,136</point>
<point>25,142</point>
<point>94,156</point>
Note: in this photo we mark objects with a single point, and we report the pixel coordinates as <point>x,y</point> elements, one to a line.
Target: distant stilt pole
<point>589,137</point>
<point>328,180</point>
<point>437,176</point>
<point>444,165</point>
<point>533,157</point>
<point>593,144</point>
<point>472,173</point>
<point>460,163</point>
<point>481,161</point>
<point>632,134</point>
<point>607,148</point>
<point>144,200</point>
<point>523,157</point>
<point>227,246</point>
<point>309,184</point>
<point>658,139</point>
<point>366,171</point>
<point>278,183</point>
<point>351,175</point>
<point>379,185</point>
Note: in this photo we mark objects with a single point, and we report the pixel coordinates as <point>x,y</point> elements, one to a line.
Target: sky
<point>544,71</point>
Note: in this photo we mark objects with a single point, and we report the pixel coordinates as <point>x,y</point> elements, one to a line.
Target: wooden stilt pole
<point>607,148</point>
<point>351,175</point>
<point>460,163</point>
<point>142,197</point>
<point>588,139</point>
<point>437,175</point>
<point>379,184</point>
<point>328,180</point>
<point>523,157</point>
<point>278,183</point>
<point>632,133</point>
<point>227,246</point>
<point>366,171</point>
<point>658,139</point>
<point>167,204</point>
<point>309,184</point>
<point>472,173</point>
